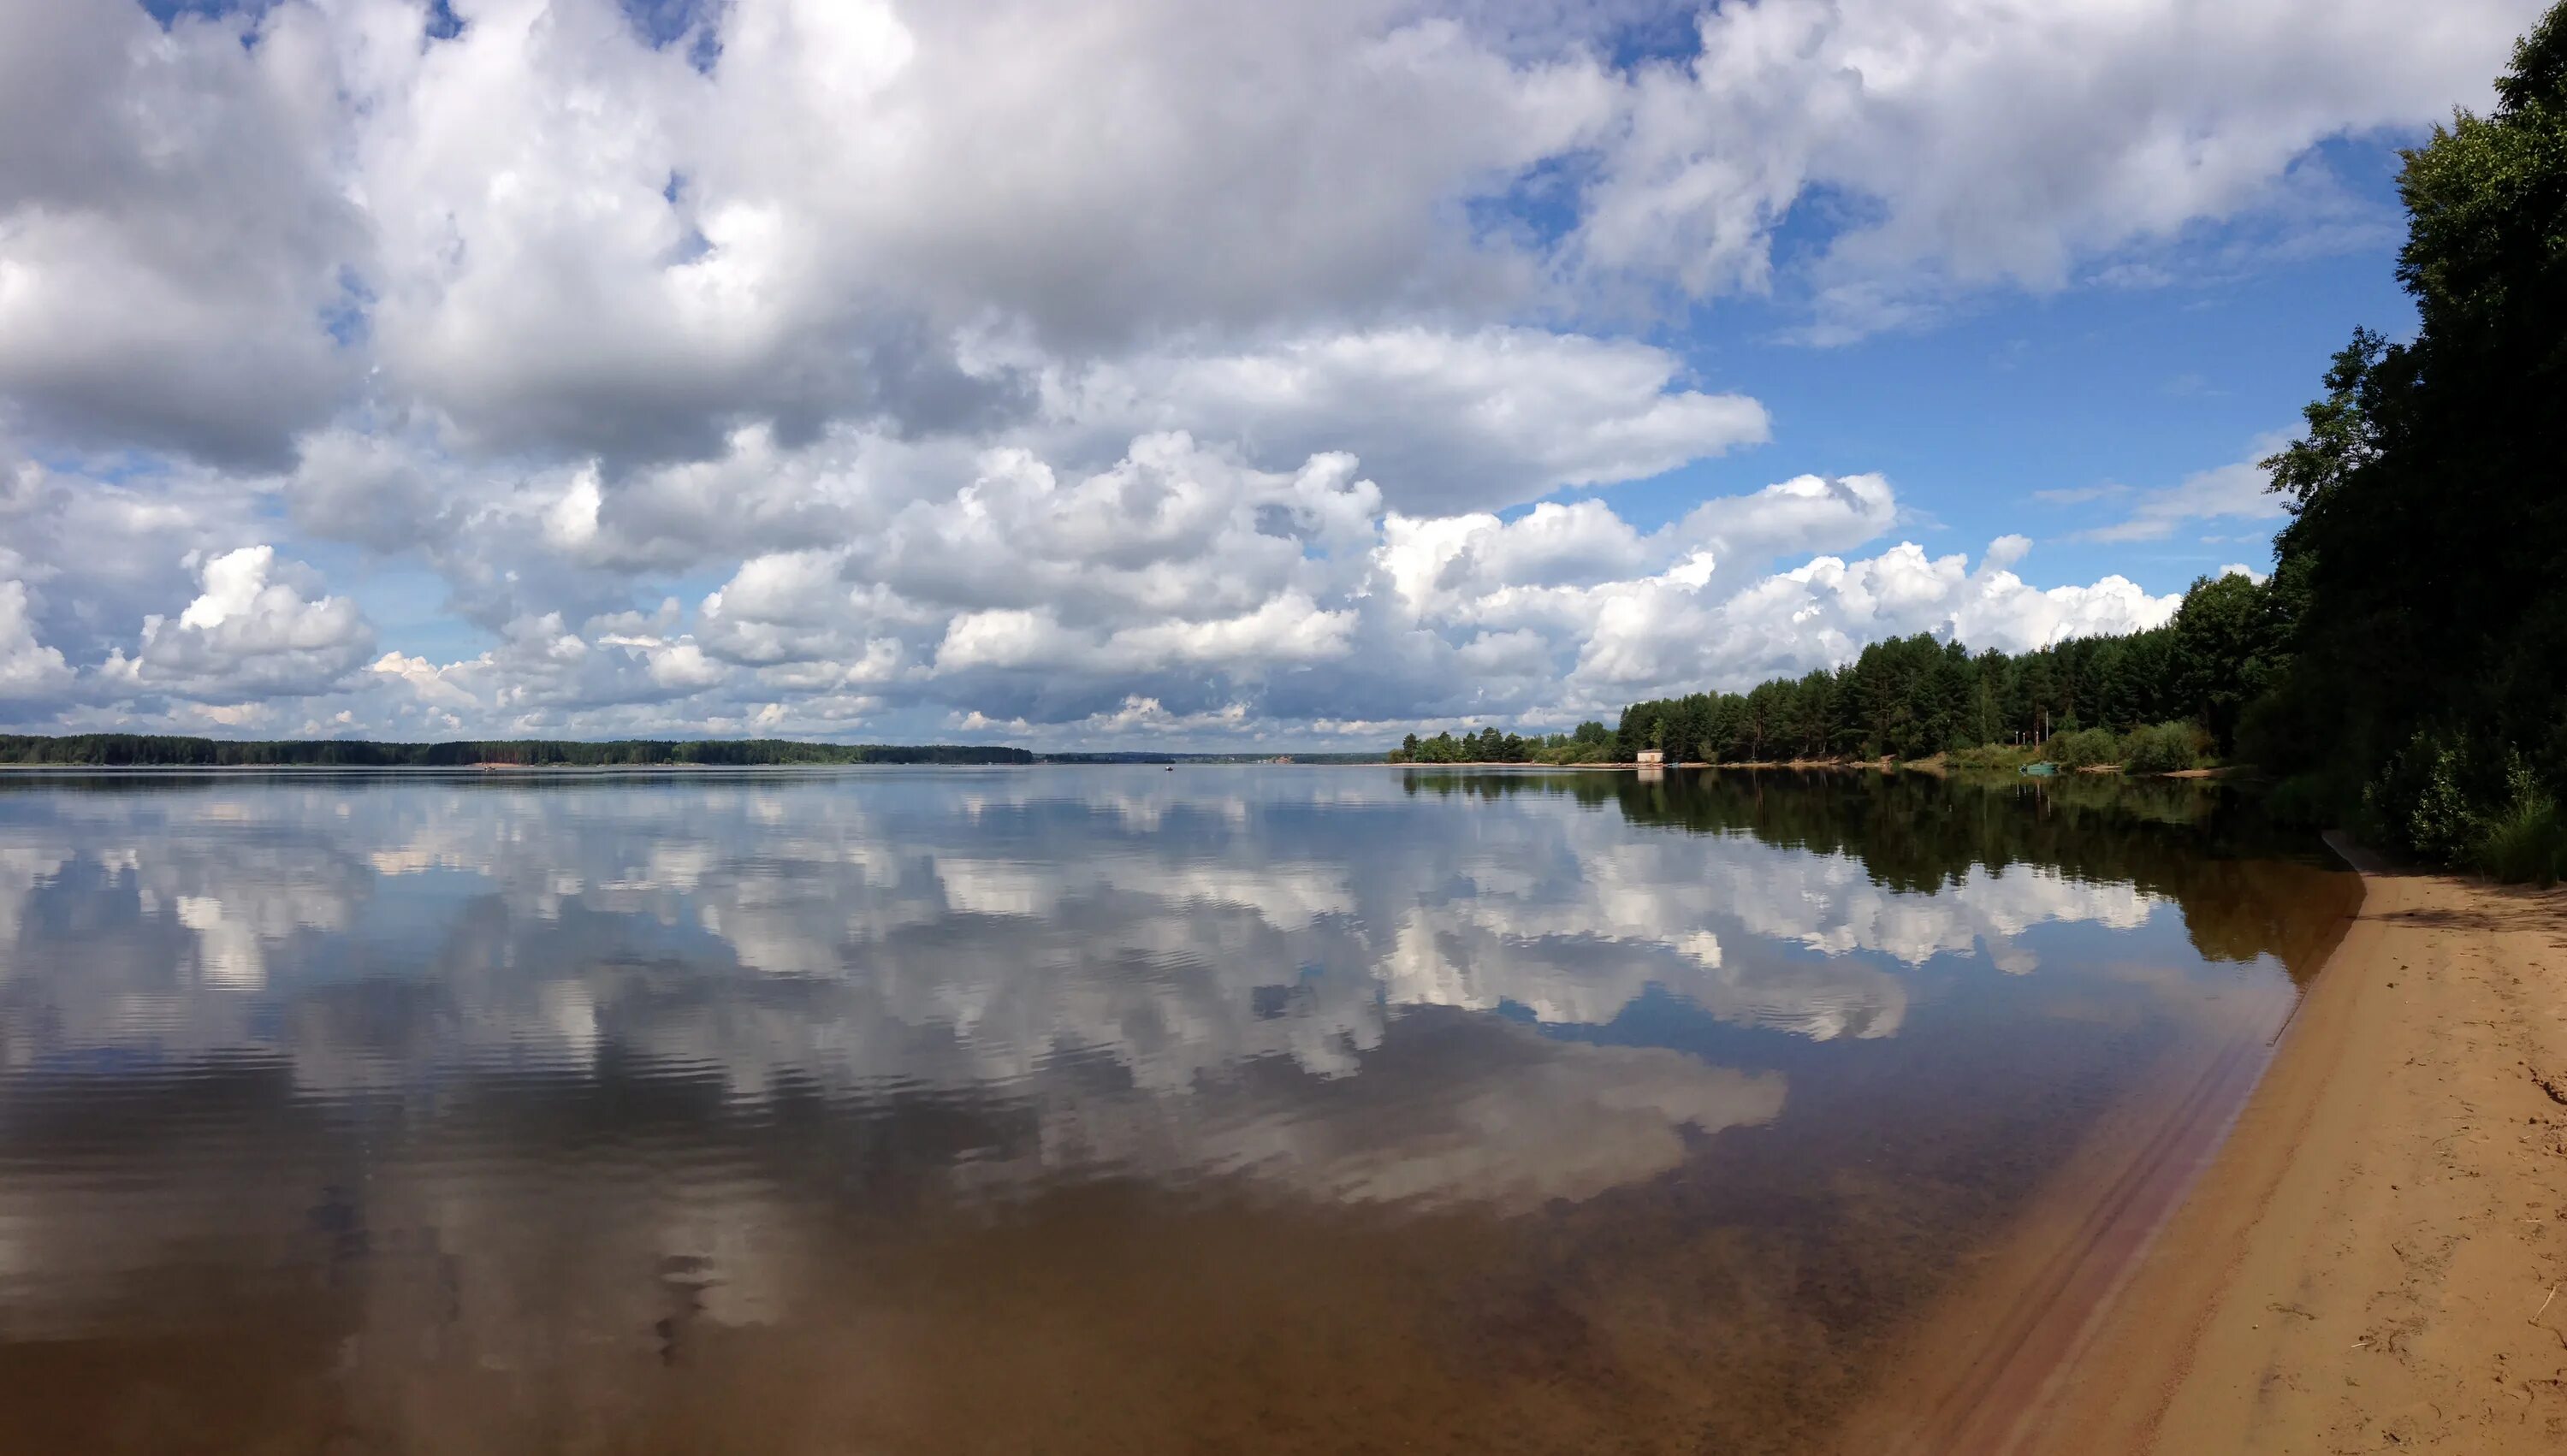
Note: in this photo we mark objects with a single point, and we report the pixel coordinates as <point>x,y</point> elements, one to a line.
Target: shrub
<point>1988,756</point>
<point>2418,802</point>
<point>2083,748</point>
<point>2163,749</point>
<point>2525,840</point>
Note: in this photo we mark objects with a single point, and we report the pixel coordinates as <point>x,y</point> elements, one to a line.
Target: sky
<point>1148,373</point>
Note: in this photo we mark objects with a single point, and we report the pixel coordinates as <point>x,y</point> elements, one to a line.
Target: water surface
<point>1061,1110</point>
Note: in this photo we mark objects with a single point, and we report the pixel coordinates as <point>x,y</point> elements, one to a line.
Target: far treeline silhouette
<point>2405,668</point>
<point>2158,699</point>
<point>2087,700</point>
<point>118,751</point>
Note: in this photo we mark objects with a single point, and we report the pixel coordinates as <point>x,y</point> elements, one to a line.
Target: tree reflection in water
<point>1061,1110</point>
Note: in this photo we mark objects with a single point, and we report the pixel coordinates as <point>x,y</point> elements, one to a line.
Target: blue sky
<point>1147,373</point>
<point>2093,387</point>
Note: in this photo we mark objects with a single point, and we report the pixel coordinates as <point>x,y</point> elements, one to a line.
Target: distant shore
<point>1936,764</point>
<point>2372,1259</point>
<point>173,750</point>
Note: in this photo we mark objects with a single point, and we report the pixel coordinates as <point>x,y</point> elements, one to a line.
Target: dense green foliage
<point>1913,696</point>
<point>2084,748</point>
<point>147,750</point>
<point>2164,748</point>
<point>2524,838</point>
<point>1910,698</point>
<point>2427,691</point>
<point>1593,743</point>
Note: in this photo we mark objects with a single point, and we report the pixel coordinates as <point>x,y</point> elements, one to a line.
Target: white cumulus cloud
<point>250,634</point>
<point>1143,366</point>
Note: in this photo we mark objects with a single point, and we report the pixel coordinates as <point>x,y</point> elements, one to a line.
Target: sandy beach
<point>2372,1260</point>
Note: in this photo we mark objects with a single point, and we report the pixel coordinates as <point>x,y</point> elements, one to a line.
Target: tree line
<point>118,751</point>
<point>1915,697</point>
<point>2405,668</point>
<point>2184,685</point>
<point>1591,742</point>
<point>2424,695</point>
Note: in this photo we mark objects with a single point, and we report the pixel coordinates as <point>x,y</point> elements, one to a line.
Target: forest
<point>119,750</point>
<point>2175,695</point>
<point>2177,692</point>
<point>2423,698</point>
<point>2403,671</point>
<point>1593,743</point>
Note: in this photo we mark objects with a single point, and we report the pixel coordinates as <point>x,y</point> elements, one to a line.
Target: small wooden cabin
<point>1653,758</point>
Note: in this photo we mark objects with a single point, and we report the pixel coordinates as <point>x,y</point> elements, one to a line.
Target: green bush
<point>2525,840</point>
<point>2419,803</point>
<point>2083,748</point>
<point>2163,748</point>
<point>1989,755</point>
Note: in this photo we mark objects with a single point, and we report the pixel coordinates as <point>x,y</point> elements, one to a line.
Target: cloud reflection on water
<point>509,1087</point>
<point>962,928</point>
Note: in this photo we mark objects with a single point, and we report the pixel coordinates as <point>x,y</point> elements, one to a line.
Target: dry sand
<point>2367,1264</point>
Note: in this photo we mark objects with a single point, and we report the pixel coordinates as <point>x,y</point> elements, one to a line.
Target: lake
<point>1076,1109</point>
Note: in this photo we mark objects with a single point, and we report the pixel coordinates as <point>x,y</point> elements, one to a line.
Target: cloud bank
<point>859,367</point>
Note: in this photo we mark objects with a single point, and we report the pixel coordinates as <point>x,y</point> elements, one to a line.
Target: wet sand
<point>2368,1263</point>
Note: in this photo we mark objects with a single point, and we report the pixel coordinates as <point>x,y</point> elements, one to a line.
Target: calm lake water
<point>1061,1110</point>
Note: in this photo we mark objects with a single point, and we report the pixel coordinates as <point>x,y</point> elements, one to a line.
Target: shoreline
<point>2359,1263</point>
